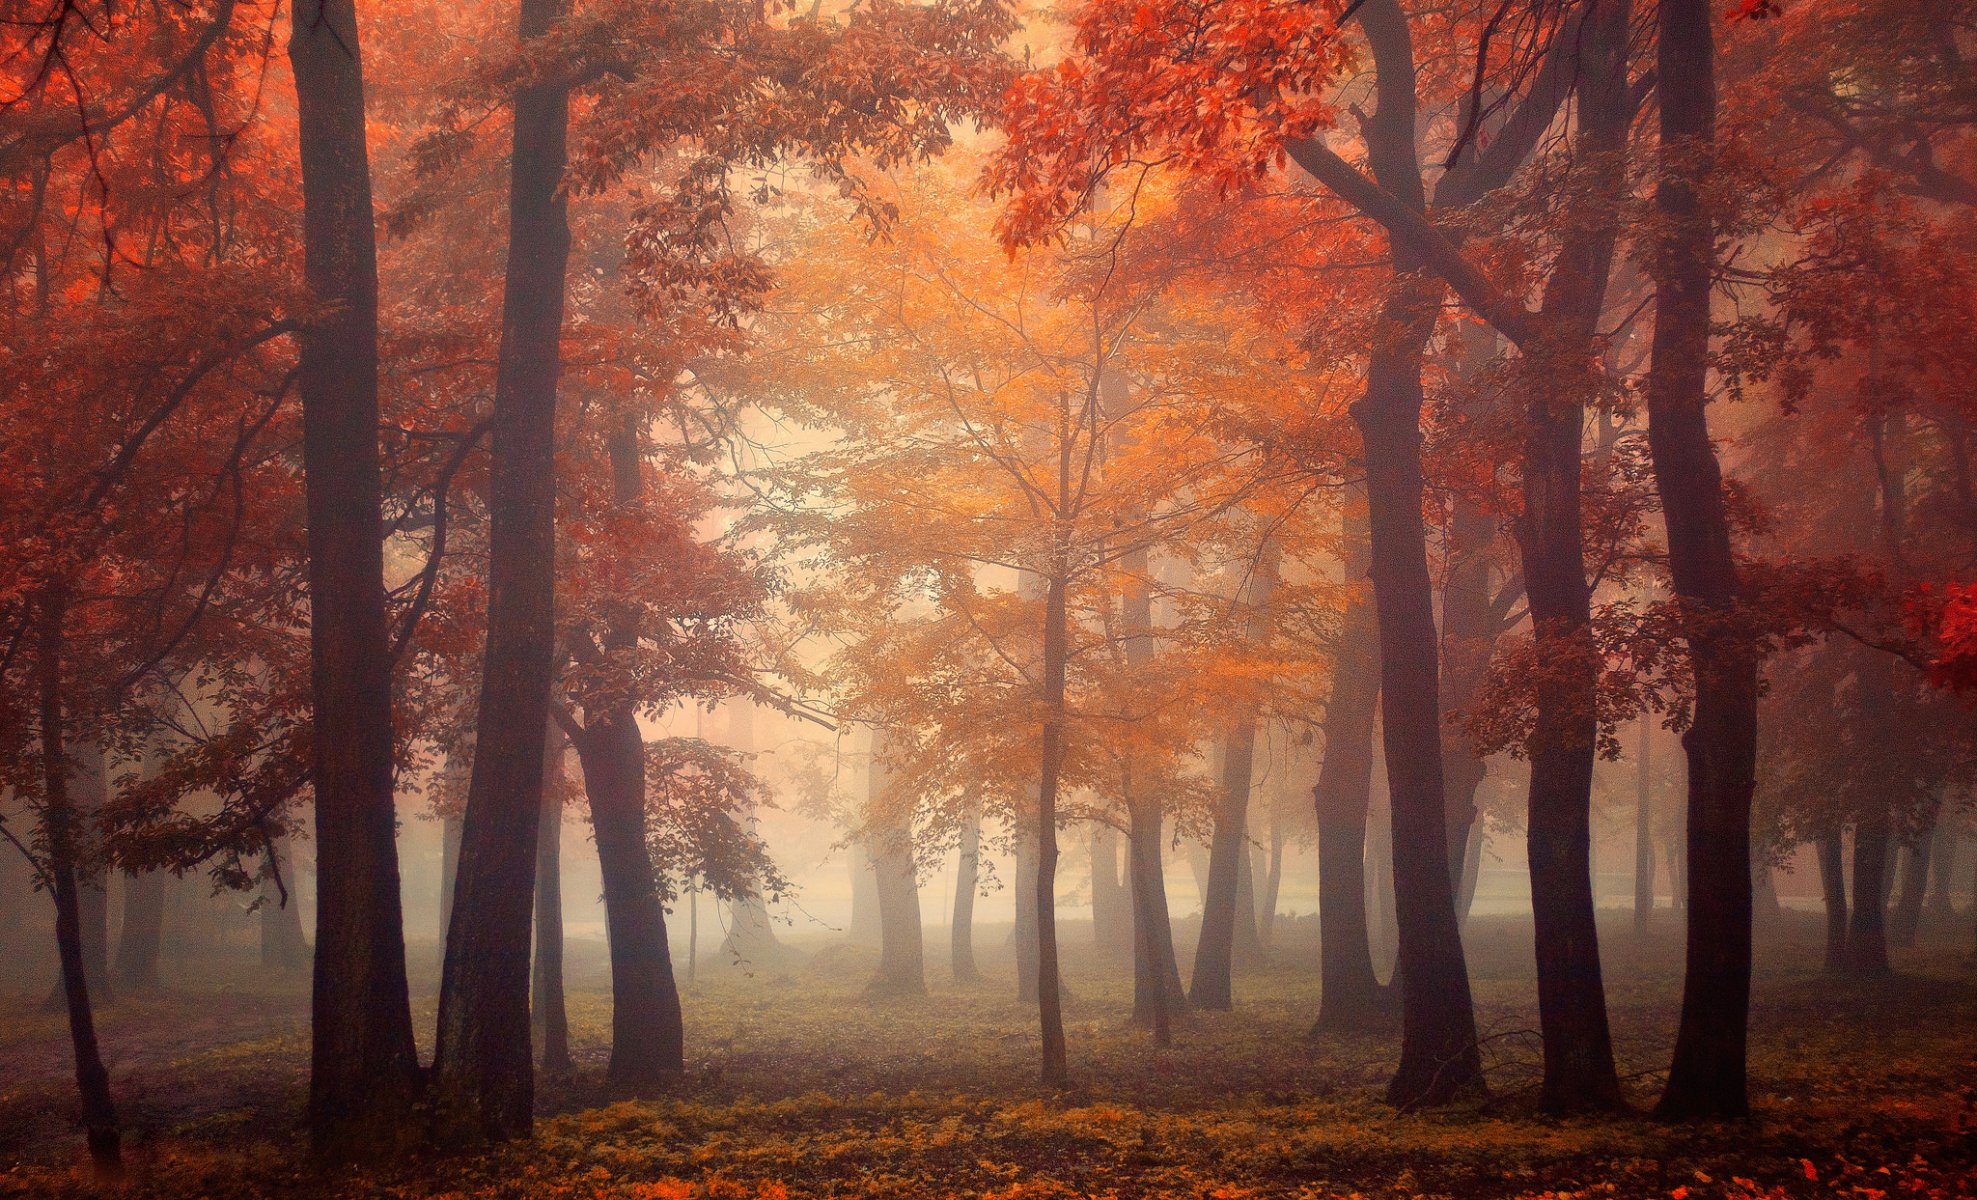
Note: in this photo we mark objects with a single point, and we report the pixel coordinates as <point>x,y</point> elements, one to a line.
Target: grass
<point>800,1086</point>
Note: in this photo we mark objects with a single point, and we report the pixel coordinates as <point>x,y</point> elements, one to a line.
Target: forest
<point>875,599</point>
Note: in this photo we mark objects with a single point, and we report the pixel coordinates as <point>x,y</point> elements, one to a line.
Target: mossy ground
<point>801,1085</point>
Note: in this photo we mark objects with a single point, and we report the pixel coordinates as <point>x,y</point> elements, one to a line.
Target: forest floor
<point>799,1085</point>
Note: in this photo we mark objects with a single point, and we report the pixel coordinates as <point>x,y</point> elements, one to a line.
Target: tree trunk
<point>751,938</point>
<point>648,1035</point>
<point>449,872</point>
<point>63,843</point>
<point>482,1070</point>
<point>1906,920</point>
<point>1024,934</point>
<point>1273,880</point>
<point>1349,992</point>
<point>363,1077</point>
<point>142,936</point>
<point>1708,1074</point>
<point>1644,827</point>
<point>1472,869</point>
<point>548,1013</point>
<point>283,944</point>
<point>889,832</point>
<point>1227,914</point>
<point>1111,899</point>
<point>1867,937</point>
<point>864,895</point>
<point>1833,885</point>
<point>1056,654</point>
<point>1578,1045</point>
<point>89,791</point>
<point>961,931</point>
<point>1157,991</point>
<point>1942,865</point>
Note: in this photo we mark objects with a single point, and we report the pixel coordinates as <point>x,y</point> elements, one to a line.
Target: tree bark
<point>961,931</point>
<point>482,1070</point>
<point>1111,899</point>
<point>63,841</point>
<point>1056,654</point>
<point>283,944</point>
<point>1578,1045</point>
<point>89,792</point>
<point>449,873</point>
<point>1905,922</point>
<point>1024,934</point>
<point>363,1078</point>
<point>1157,990</point>
<point>1349,993</point>
<point>1225,906</point>
<point>1867,930</point>
<point>548,1013</point>
<point>648,1034</point>
<point>141,939</point>
<point>1708,1075</point>
<point>1833,886</point>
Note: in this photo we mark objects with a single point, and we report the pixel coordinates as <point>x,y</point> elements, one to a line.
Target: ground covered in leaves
<point>800,1086</point>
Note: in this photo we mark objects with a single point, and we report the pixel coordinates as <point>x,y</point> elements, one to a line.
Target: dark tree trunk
<point>1210,986</point>
<point>1349,992</point>
<point>1833,886</point>
<point>363,1078</point>
<point>1056,654</point>
<point>89,791</point>
<point>961,932</point>
<point>1470,624</point>
<point>63,841</point>
<point>548,1012</point>
<point>283,944</point>
<point>1867,931</point>
<point>1157,991</point>
<point>1644,827</point>
<point>648,1036</point>
<point>1472,867</point>
<point>449,872</point>
<point>1578,1045</point>
<point>1228,914</point>
<point>889,832</point>
<point>141,939</point>
<point>1439,1059</point>
<point>1708,1075</point>
<point>482,1070</point>
<point>1905,922</point>
<point>1942,865</point>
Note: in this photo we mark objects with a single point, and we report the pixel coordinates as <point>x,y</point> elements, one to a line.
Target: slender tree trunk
<point>449,872</point>
<point>482,1069</point>
<point>284,946</point>
<point>1472,868</point>
<point>1024,934</point>
<point>363,1078</point>
<point>1273,880</point>
<point>751,937</point>
<point>1578,1045</point>
<point>1111,899</point>
<point>1225,906</point>
<point>1708,1076</point>
<point>1867,936</point>
<point>1833,885</point>
<point>889,832</point>
<point>1349,992</point>
<point>1644,827</point>
<point>961,931</point>
<point>548,1012</point>
<point>142,936</point>
<point>648,1035</point>
<point>1905,922</point>
<point>63,840</point>
<point>1056,654</point>
<point>1157,991</point>
<point>1942,865</point>
<point>1439,1058</point>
